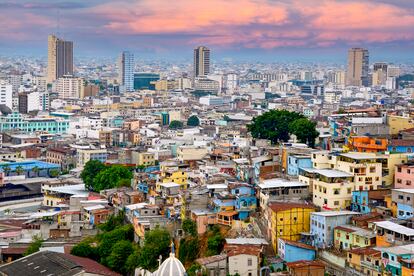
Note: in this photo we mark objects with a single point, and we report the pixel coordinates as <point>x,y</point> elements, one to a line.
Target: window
<point>400,197</point>
<point>372,169</point>
<point>408,182</point>
<point>349,190</point>
<point>249,262</point>
<point>336,203</point>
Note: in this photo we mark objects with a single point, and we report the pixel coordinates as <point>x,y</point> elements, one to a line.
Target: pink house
<point>203,219</point>
<point>404,176</point>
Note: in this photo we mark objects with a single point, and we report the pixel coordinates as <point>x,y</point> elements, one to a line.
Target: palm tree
<point>36,170</point>
<point>19,170</point>
<point>6,169</point>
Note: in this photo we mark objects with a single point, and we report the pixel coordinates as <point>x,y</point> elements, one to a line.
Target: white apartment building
<point>6,94</point>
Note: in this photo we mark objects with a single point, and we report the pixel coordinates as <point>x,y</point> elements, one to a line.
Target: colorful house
<point>404,176</point>
<point>365,260</point>
<point>391,234</point>
<point>392,257</point>
<point>288,220</point>
<point>322,226</point>
<point>404,198</point>
<point>296,162</point>
<point>348,237</point>
<point>364,201</point>
<point>292,251</point>
<point>401,146</point>
<point>367,144</point>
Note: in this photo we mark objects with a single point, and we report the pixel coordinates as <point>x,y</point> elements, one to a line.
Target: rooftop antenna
<point>58,21</point>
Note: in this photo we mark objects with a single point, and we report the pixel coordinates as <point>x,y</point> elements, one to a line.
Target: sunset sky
<point>231,28</point>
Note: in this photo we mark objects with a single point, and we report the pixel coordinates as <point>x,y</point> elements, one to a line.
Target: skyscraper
<point>59,58</point>
<point>358,65</point>
<point>201,61</point>
<point>126,71</point>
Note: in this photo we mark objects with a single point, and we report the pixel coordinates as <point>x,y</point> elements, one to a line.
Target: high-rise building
<point>126,71</point>
<point>30,101</point>
<point>59,58</point>
<point>358,65</point>
<point>6,94</point>
<point>201,61</point>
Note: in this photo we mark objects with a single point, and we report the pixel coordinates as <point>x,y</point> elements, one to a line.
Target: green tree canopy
<point>84,249</point>
<point>278,125</point>
<point>111,177</point>
<point>119,256</point>
<point>215,241</point>
<point>34,246</point>
<point>190,227</point>
<point>157,242</point>
<point>305,131</point>
<point>176,125</point>
<point>189,249</point>
<point>91,169</point>
<point>193,121</point>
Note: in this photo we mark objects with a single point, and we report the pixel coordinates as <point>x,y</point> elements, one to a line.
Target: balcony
<point>370,265</point>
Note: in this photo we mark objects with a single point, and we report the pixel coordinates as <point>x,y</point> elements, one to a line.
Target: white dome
<point>171,267</point>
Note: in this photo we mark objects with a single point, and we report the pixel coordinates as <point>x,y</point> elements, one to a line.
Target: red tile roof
<point>401,142</point>
<point>299,264</point>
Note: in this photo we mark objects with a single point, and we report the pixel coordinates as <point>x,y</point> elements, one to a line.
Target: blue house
<point>365,201</point>
<point>292,251</point>
<point>246,200</point>
<point>296,162</point>
<point>401,146</point>
<point>322,226</point>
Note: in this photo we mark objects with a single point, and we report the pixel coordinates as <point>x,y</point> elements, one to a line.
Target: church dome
<point>171,267</point>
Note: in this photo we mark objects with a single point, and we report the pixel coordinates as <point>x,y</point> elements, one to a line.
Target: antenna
<point>58,21</point>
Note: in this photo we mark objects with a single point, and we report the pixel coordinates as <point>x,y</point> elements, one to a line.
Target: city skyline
<point>247,29</point>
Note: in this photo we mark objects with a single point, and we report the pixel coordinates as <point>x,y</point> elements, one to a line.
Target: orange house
<point>367,144</point>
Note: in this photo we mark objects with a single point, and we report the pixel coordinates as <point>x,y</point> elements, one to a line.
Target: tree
<point>133,261</point>
<point>6,169</point>
<point>157,242</point>
<point>54,173</point>
<point>193,121</point>
<point>91,169</point>
<point>109,239</point>
<point>215,241</point>
<point>190,227</point>
<point>274,125</point>
<point>19,170</point>
<point>113,222</point>
<point>110,178</point>
<point>176,125</point>
<point>305,131</point>
<point>84,249</point>
<point>189,249</point>
<point>34,246</point>
<point>119,255</point>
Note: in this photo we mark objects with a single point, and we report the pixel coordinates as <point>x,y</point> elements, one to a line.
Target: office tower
<point>380,66</point>
<point>59,58</point>
<point>126,71</point>
<point>358,63</point>
<point>6,94</point>
<point>143,80</point>
<point>201,61</point>
<point>379,75</point>
<point>69,87</point>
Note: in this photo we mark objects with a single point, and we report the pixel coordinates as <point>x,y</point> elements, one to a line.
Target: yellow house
<point>365,260</point>
<point>398,123</point>
<point>190,153</point>
<point>174,172</point>
<point>146,159</point>
<point>288,220</point>
<point>347,237</point>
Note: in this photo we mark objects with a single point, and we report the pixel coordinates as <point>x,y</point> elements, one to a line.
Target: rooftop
<point>395,227</point>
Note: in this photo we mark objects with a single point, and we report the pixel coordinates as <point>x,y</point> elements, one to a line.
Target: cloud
<point>230,24</point>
